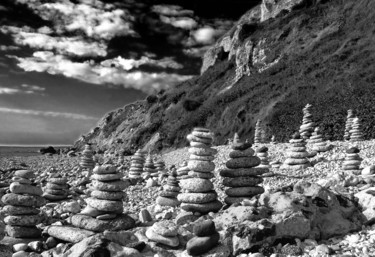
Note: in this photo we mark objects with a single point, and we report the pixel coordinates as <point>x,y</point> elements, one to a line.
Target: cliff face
<point>280,56</point>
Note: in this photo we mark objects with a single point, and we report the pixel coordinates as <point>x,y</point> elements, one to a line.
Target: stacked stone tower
<point>348,124</point>
<point>198,191</point>
<point>149,168</point>
<point>168,197</point>
<point>356,131</point>
<point>308,125</point>
<point>136,165</point>
<point>318,144</point>
<point>262,154</point>
<point>258,133</point>
<point>87,160</point>
<point>241,174</point>
<point>21,206</point>
<point>56,188</point>
<point>297,154</point>
<point>352,161</point>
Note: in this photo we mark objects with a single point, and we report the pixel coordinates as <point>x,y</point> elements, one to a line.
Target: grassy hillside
<point>324,55</point>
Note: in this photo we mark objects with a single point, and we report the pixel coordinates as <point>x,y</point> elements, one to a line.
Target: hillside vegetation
<point>318,52</point>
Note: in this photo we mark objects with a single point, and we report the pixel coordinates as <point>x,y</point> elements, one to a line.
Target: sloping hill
<point>278,58</point>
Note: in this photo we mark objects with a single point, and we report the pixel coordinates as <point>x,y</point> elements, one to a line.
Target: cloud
<point>205,35</point>
<point>66,115</point>
<point>94,18</point>
<point>171,10</point>
<point>8,91</point>
<point>63,45</point>
<point>45,61</point>
<point>183,23</point>
<point>129,64</point>
<point>8,48</point>
<point>23,89</point>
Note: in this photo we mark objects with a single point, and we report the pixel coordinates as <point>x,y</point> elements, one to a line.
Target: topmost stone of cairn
<point>308,125</point>
<point>87,160</point>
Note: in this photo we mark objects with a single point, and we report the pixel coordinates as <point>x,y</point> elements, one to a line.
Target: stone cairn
<point>205,238</point>
<point>160,167</point>
<point>104,210</point>
<point>136,165</point>
<point>262,154</point>
<point>318,144</point>
<point>121,159</point>
<point>348,124</point>
<point>258,133</point>
<point>198,191</point>
<point>21,206</point>
<point>308,125</point>
<point>241,174</point>
<point>297,154</point>
<point>183,171</point>
<point>168,197</point>
<point>356,131</point>
<point>164,232</point>
<point>56,188</point>
<point>149,168</point>
<point>273,140</point>
<point>87,160</point>
<point>352,161</point>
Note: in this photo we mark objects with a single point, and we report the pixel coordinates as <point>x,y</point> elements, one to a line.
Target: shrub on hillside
<point>191,104</point>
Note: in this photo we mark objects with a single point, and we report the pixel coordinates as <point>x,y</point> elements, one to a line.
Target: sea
<point>24,150</point>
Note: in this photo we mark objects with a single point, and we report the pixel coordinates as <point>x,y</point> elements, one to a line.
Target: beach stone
<point>202,151</point>
<point>204,228</point>
<point>171,188</point>
<point>105,205</point>
<point>104,169</point>
<point>244,191</point>
<point>18,188</point>
<point>122,222</point>
<point>21,254</point>
<point>197,197</point>
<point>170,241</point>
<point>243,162</point>
<point>165,201</point>
<point>169,194</point>
<point>107,177</point>
<point>185,218</point>
<point>236,199</point>
<point>92,212</point>
<point>19,210</point>
<point>193,138</point>
<point>68,233</point>
<point>55,191</point>
<point>245,172</point>
<point>239,154</point>
<point>107,195</point>
<point>56,186</point>
<point>201,166</point>
<point>196,185</point>
<point>20,247</point>
<point>165,228</point>
<point>22,232</point>
<point>145,216</point>
<point>213,206</point>
<point>60,181</point>
<point>200,245</point>
<point>24,174</point>
<point>23,200</point>
<point>108,216</point>
<point>242,181</point>
<point>21,180</point>
<point>204,175</point>
<point>110,186</point>
<point>23,220</point>
<point>52,197</point>
<point>206,158</point>
<point>368,170</point>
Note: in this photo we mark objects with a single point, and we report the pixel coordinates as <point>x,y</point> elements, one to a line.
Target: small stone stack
<point>136,165</point>
<point>21,206</point>
<point>56,188</point>
<point>160,167</point>
<point>308,125</point>
<point>198,191</point>
<point>318,144</point>
<point>241,174</point>
<point>205,238</point>
<point>273,140</point>
<point>104,210</point>
<point>168,197</point>
<point>149,168</point>
<point>164,232</point>
<point>352,161</point>
<point>258,133</point>
<point>297,154</point>
<point>356,131</point>
<point>262,154</point>
<point>348,124</point>
<point>87,160</point>
<point>183,171</point>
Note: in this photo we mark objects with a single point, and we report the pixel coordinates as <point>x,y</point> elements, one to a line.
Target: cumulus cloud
<point>46,61</point>
<point>183,23</point>
<point>129,64</point>
<point>48,114</point>
<point>205,35</point>
<point>94,18</point>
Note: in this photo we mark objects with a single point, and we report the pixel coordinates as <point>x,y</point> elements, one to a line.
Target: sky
<point>65,63</point>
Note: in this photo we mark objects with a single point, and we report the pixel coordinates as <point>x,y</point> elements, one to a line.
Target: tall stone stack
<point>56,188</point>
<point>104,210</point>
<point>352,161</point>
<point>168,197</point>
<point>160,167</point>
<point>308,125</point>
<point>297,154</point>
<point>21,206</point>
<point>356,131</point>
<point>241,174</point>
<point>136,164</point>
<point>262,154</point>
<point>258,133</point>
<point>348,124</point>
<point>198,191</point>
<point>318,144</point>
<point>87,160</point>
<point>149,168</point>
